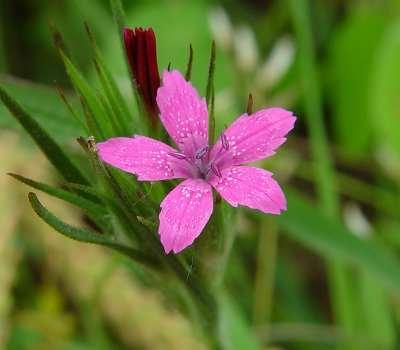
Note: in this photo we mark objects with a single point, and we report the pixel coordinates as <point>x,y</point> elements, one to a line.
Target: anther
<point>201,152</point>
<point>177,155</point>
<point>215,170</point>
<point>224,141</point>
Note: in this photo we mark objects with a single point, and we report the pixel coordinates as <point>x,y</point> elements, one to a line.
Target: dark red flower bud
<point>140,46</point>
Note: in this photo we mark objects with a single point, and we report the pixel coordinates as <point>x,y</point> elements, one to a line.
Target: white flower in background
<point>277,63</point>
<point>221,28</point>
<point>245,47</point>
<point>356,221</point>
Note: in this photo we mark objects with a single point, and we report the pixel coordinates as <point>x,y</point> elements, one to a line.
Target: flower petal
<point>183,113</point>
<point>254,137</point>
<point>252,187</point>
<point>150,159</point>
<point>184,213</point>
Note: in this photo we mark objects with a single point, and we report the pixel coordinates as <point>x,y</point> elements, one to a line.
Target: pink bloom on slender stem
<point>187,208</point>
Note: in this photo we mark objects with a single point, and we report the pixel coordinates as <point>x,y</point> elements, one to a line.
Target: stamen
<point>224,141</point>
<point>177,155</point>
<point>201,152</point>
<point>215,170</point>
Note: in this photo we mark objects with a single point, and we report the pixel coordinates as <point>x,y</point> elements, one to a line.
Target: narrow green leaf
<point>89,96</point>
<point>58,39</point>
<point>111,91</point>
<point>383,99</point>
<point>71,109</point>
<point>119,15</point>
<point>85,235</point>
<point>118,129</point>
<point>91,122</point>
<point>90,191</point>
<point>49,147</point>
<point>210,92</point>
<point>353,52</point>
<point>188,74</point>
<point>377,312</point>
<point>95,211</point>
<point>44,104</point>
<point>211,71</point>
<point>326,188</point>
<point>123,207</point>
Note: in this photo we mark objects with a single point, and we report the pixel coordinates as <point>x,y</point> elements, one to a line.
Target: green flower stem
<point>265,273</point>
<point>223,216</point>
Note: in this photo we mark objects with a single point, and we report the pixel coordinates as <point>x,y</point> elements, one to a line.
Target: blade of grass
<point>325,179</point>
<point>84,89</point>
<point>379,320</point>
<point>109,86</point>
<point>85,235</point>
<point>44,104</point>
<point>72,111</point>
<point>95,211</point>
<point>118,129</point>
<point>49,147</point>
<point>119,15</point>
<point>91,122</point>
<point>209,93</point>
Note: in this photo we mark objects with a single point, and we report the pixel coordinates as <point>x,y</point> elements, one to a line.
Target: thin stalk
<point>265,273</point>
<point>224,216</point>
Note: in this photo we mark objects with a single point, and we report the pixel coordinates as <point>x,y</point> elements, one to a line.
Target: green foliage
<point>308,225</point>
<point>384,92</point>
<point>357,53</point>
<point>49,147</point>
<point>85,235</point>
<point>235,333</point>
<point>42,102</point>
<point>350,71</point>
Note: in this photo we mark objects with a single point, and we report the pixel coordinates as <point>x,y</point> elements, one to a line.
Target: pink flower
<point>187,208</point>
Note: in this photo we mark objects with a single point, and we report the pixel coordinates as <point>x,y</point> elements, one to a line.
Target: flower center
<point>205,162</point>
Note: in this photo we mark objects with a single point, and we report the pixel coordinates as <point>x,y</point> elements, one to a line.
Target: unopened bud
<point>140,46</point>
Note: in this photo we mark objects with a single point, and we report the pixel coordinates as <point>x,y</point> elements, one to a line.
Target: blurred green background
<point>324,276</point>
